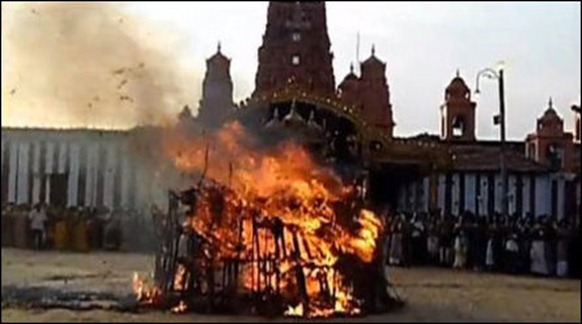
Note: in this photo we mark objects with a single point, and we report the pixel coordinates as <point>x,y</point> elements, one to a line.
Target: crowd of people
<point>541,246</point>
<point>43,226</point>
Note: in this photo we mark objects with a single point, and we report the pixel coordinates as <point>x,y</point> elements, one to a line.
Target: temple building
<point>295,88</point>
<point>296,49</point>
<point>543,169</point>
<point>369,93</point>
<point>216,103</point>
<point>82,167</point>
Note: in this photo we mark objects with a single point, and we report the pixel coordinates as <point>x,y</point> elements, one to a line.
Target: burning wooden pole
<point>299,274</point>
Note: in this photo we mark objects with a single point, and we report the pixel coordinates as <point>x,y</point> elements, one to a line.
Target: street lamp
<point>576,109</point>
<point>499,119</point>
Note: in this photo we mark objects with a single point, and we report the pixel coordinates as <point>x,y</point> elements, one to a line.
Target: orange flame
<point>253,185</point>
<point>180,308</point>
<point>144,292</point>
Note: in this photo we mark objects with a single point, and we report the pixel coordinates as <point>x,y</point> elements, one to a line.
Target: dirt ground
<point>431,294</point>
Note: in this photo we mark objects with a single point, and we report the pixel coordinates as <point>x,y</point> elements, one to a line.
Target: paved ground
<point>431,294</point>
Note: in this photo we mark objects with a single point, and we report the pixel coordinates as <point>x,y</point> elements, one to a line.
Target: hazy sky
<point>422,43</point>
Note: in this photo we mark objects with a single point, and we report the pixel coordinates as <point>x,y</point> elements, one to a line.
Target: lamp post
<point>576,109</point>
<point>499,119</point>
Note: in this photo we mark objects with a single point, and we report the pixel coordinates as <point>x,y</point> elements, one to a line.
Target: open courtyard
<point>431,294</point>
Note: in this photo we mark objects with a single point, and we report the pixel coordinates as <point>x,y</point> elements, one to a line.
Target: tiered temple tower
<point>296,49</point>
<point>216,103</point>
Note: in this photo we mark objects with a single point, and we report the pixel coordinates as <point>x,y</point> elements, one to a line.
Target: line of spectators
<point>541,246</point>
<point>42,226</point>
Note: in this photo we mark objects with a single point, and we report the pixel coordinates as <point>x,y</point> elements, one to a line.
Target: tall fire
<point>265,230</point>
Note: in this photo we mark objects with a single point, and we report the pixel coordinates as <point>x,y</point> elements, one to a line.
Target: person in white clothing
<point>538,250</point>
<point>512,254</point>
<point>562,248</point>
<point>37,217</point>
<point>460,248</point>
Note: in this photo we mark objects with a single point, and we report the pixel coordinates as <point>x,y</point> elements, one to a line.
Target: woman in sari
<point>538,253</point>
<point>489,254</point>
<point>460,250</point>
<point>562,249</point>
<point>396,242</point>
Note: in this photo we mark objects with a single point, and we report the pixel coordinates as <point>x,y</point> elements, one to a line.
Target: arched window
<point>295,60</point>
<point>531,151</point>
<point>555,154</point>
<point>458,126</point>
<point>296,36</point>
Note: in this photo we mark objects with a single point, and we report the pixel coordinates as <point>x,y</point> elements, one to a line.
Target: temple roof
<point>218,57</point>
<point>457,87</point>
<point>373,61</point>
<point>485,155</point>
<point>550,116</point>
<point>475,157</point>
<point>351,77</point>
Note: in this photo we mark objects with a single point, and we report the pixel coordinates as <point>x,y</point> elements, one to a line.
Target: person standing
<point>511,254</point>
<point>498,243</point>
<point>38,218</point>
<point>551,243</point>
<point>563,237</point>
<point>460,249</point>
<point>396,242</point>
<point>525,245</point>
<point>538,257</point>
<point>480,245</point>
<point>574,249</point>
<point>469,227</point>
<point>418,241</point>
<point>446,242</point>
<point>433,242</point>
<point>113,232</point>
<point>490,251</point>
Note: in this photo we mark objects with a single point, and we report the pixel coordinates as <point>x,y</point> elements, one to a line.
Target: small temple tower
<point>375,94</point>
<point>458,112</point>
<point>349,89</point>
<point>296,49</point>
<point>216,103</point>
<point>370,93</point>
<point>549,144</point>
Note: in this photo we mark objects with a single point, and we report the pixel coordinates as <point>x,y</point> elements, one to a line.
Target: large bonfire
<point>299,235</point>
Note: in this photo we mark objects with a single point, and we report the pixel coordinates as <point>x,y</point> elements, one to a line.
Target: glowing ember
<point>181,308</point>
<point>179,280</point>
<point>295,311</point>
<point>143,291</point>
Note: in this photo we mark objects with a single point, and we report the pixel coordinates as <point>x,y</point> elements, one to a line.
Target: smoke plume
<point>90,65</point>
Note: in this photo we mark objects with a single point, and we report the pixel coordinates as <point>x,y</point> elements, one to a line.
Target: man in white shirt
<point>38,218</point>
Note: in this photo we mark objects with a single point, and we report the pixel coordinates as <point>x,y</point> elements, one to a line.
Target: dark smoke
<point>90,64</point>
